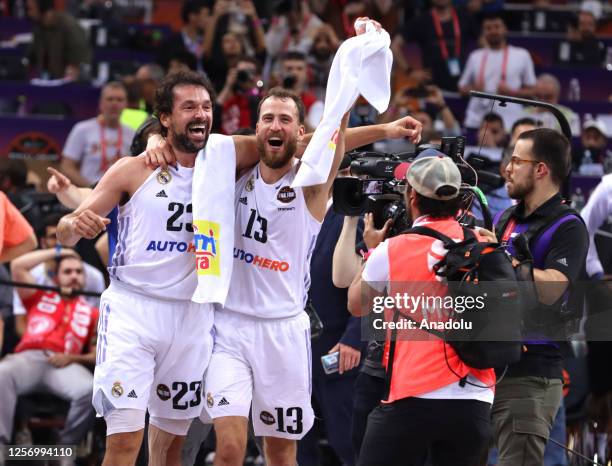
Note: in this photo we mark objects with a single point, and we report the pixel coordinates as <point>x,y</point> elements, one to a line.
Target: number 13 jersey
<point>274,237</point>
<point>154,254</point>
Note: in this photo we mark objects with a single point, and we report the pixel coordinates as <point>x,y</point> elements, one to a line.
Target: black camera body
<point>378,191</point>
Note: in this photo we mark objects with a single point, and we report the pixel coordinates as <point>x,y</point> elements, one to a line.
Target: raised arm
<point>21,267</point>
<point>406,127</point>
<point>67,193</point>
<point>346,261</point>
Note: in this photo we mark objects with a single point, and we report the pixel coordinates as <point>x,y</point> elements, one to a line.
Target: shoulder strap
<point>502,222</point>
<point>538,228</point>
<point>426,231</point>
<point>539,234</point>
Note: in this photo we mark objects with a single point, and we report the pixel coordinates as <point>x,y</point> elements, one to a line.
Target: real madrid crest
<point>250,184</point>
<point>210,401</point>
<point>164,177</point>
<point>117,389</point>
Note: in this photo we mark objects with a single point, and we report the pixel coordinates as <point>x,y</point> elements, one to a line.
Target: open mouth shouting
<point>275,143</point>
<point>197,130</point>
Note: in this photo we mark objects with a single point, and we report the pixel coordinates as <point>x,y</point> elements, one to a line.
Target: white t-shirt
<point>376,273</point>
<point>84,145</point>
<point>519,73</point>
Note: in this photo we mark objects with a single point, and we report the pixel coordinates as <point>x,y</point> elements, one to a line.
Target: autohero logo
<point>259,261</point>
<point>206,241</point>
<point>170,246</point>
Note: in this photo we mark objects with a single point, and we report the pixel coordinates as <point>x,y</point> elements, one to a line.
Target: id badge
<point>454,68</point>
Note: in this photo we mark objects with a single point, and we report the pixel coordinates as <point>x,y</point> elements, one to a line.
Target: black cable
<point>574,452</point>
<point>66,291</point>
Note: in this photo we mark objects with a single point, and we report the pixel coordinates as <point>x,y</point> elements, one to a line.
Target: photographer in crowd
<point>528,397</point>
<point>240,96</point>
<point>447,402</point>
<point>294,77</point>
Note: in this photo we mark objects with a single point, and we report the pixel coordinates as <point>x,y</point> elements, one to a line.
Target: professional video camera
<point>377,190</point>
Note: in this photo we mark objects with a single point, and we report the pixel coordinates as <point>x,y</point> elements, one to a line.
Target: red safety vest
<point>419,364</point>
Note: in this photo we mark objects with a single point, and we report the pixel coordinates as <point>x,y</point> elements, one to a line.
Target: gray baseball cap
<point>434,175</point>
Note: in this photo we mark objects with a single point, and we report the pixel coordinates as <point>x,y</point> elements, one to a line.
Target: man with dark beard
<point>261,360</point>
<point>528,397</point>
<point>155,343</point>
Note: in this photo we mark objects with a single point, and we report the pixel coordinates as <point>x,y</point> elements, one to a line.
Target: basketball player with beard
<point>155,343</point>
<point>261,358</point>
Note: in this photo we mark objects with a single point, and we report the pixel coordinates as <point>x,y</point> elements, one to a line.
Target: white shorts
<point>151,354</point>
<point>266,362</point>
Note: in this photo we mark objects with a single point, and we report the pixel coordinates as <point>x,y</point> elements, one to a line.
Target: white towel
<point>362,65</point>
<point>214,184</point>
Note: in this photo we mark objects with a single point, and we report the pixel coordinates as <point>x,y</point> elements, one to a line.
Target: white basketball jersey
<point>274,237</point>
<point>154,252</point>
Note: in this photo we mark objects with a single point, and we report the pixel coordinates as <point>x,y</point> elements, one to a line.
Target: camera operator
<point>240,95</point>
<point>427,409</point>
<point>370,383</point>
<point>528,397</point>
<point>294,77</point>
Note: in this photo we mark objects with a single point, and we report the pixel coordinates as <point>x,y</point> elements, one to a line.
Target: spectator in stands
<point>59,46</point>
<point>520,126</point>
<point>44,273</point>
<point>14,183</point>
<point>436,116</point>
<point>583,47</point>
<point>320,58</point>
<point>57,345</point>
<point>94,145</point>
<point>341,14</point>
<point>235,28</point>
<point>294,76</point>
<point>16,238</point>
<point>491,132</point>
<point>240,95</point>
<point>133,115</point>
<point>218,65</point>
<point>292,28</point>
<point>195,15</point>
<point>548,89</point>
<point>148,77</point>
<point>499,68</point>
<point>442,34</point>
<point>594,142</point>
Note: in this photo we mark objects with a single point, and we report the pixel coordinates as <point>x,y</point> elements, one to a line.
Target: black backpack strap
<point>502,222</point>
<point>426,231</point>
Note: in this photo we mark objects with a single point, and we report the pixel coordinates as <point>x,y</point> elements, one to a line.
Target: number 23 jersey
<point>154,253</point>
<point>274,237</point>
